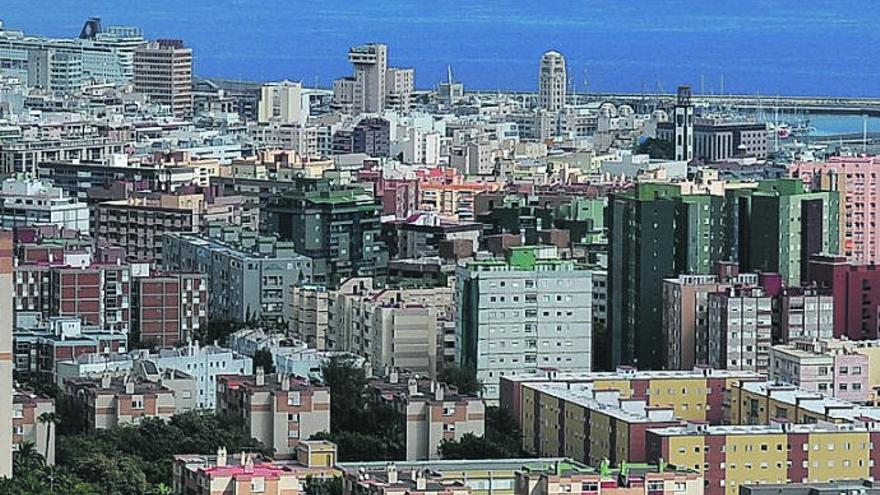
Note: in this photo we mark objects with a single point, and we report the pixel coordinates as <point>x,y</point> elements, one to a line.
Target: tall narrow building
<point>684,125</point>
<point>163,72</point>
<point>283,102</point>
<point>370,64</point>
<point>6,354</point>
<point>552,81</point>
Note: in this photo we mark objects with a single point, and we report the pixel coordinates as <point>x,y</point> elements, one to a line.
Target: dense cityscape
<point>229,287</point>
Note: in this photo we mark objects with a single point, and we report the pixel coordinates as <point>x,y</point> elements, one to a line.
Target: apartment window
<point>17,413</point>
<point>589,487</point>
<point>293,417</point>
<point>857,370</point>
<point>655,486</point>
<point>448,411</point>
<point>823,370</point>
<point>842,386</point>
<point>844,370</point>
<point>258,485</point>
<point>137,403</point>
<point>856,386</point>
<point>450,427</point>
<point>293,399</point>
<point>292,433</point>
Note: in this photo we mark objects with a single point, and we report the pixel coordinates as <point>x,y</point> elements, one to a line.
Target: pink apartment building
<point>857,179</point>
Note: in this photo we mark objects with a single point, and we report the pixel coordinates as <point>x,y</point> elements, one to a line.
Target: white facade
<point>740,328</point>
<point>370,68</point>
<point>421,148</point>
<point>522,319</point>
<point>283,102</point>
<point>27,202</point>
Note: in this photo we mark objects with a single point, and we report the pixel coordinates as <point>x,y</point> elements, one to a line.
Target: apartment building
<point>430,412</point>
<point>740,329</point>
<point>519,314</point>
<point>805,313</point>
<point>6,362</point>
<point>40,344</point>
<point>337,226</point>
<point>110,402</point>
<point>686,314</point>
<point>396,328</point>
<point>588,424</point>
<point>730,457</point>
<point>856,179</point>
<point>251,474</point>
<point>29,425</point>
<point>634,479</point>
<point>310,314</point>
<point>278,410</point>
<point>762,403</point>
<point>169,307</point>
<point>695,395</point>
<point>25,202</point>
<point>163,72</point>
<point>248,275</point>
<point>393,481</point>
<point>830,367</point>
<point>855,290</point>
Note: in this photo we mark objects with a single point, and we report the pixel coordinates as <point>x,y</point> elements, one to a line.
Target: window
<point>655,486</point>
<point>293,399</point>
<point>844,370</point>
<point>293,417</point>
<point>258,485</point>
<point>137,403</point>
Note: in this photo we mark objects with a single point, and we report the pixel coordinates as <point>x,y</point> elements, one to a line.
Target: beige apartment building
<point>401,328</point>
<point>278,410</point>
<point>110,402</point>
<point>430,412</point>
<point>27,427</point>
<point>163,72</point>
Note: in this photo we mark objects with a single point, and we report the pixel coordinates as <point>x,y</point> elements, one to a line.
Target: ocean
<point>768,47</point>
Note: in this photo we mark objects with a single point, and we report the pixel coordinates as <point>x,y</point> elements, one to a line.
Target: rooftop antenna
<point>449,74</point>
<point>702,84</point>
<point>865,133</point>
<point>722,86</point>
<point>586,81</point>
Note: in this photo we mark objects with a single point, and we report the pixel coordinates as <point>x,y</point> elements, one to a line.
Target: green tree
<point>657,148</point>
<point>263,359</point>
<point>471,446</point>
<point>463,378</point>
<point>116,475</point>
<point>323,486</point>
<point>27,458</point>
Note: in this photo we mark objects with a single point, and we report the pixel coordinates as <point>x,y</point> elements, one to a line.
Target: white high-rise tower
<point>552,81</point>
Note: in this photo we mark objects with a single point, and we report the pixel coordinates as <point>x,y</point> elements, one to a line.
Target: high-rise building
<point>399,86</point>
<point>686,315</point>
<point>335,225</point>
<point>856,179</point>
<point>855,290</point>
<point>781,225</point>
<point>365,91</point>
<point>656,232</point>
<point>6,296</point>
<point>684,125</point>
<point>517,315</point>
<point>163,72</point>
<point>283,102</point>
<point>740,329</point>
<point>552,81</point>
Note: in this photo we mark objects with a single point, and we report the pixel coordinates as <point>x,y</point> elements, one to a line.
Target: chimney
<point>391,471</point>
<point>243,458</point>
<point>129,385</point>
<point>439,393</point>
<point>413,386</point>
<point>260,377</point>
<point>105,380</point>
<point>394,376</point>
<point>221,456</point>
<point>421,481</point>
<point>285,382</point>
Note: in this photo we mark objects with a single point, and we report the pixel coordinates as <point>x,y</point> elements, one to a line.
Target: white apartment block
<point>517,315</point>
<point>26,202</point>
<point>740,329</point>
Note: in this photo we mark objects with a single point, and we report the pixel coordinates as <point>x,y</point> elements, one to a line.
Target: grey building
<point>249,275</point>
<point>372,136</point>
<point>851,487</point>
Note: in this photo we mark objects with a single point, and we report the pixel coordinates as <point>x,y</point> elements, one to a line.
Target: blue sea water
<point>826,47</point>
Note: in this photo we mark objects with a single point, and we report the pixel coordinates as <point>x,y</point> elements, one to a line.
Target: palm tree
<point>49,419</point>
<point>27,457</point>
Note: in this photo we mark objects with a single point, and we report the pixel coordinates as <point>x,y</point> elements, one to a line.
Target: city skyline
<point>645,46</point>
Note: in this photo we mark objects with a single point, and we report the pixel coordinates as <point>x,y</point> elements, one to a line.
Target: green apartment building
<point>337,226</point>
